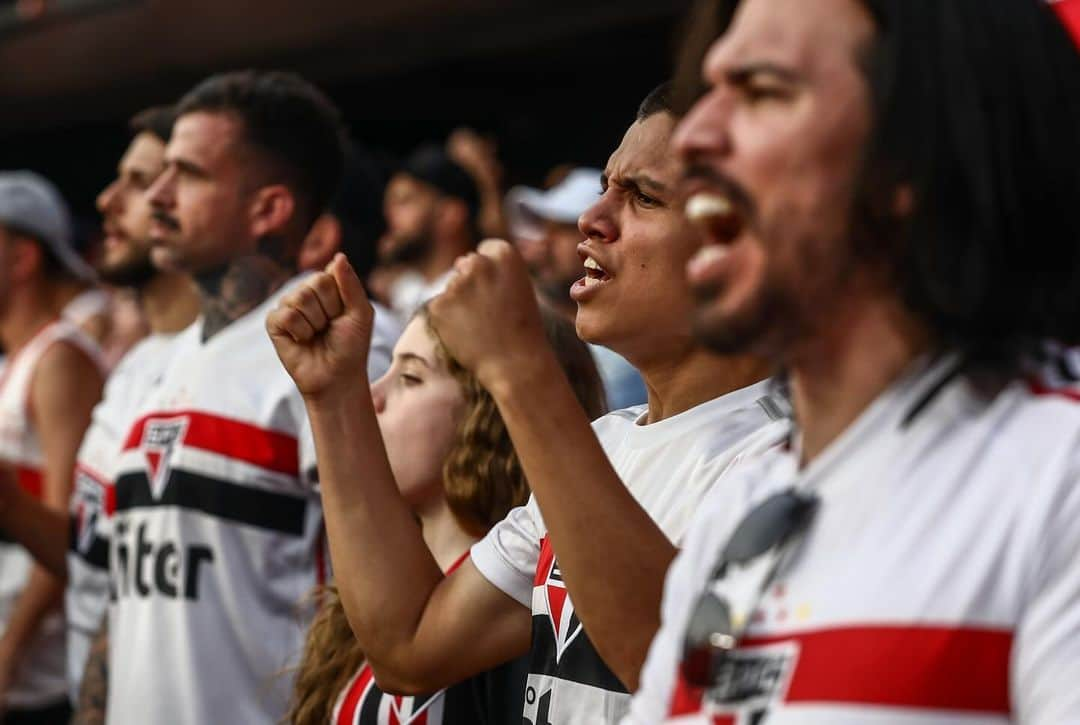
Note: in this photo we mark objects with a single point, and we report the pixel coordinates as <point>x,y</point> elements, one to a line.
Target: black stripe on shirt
<point>580,662</point>
<point>97,555</point>
<point>256,507</point>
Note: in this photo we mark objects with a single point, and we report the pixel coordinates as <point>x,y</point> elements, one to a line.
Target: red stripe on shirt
<point>353,695</point>
<point>269,449</point>
<point>30,480</point>
<point>918,667</point>
<point>1069,12</point>
<point>543,563</point>
<point>1039,387</point>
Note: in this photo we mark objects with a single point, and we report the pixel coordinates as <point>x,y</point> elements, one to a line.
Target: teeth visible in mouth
<point>590,263</point>
<point>706,206</point>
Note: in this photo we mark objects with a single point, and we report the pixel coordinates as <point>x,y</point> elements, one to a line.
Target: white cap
<point>31,205</point>
<point>527,208</point>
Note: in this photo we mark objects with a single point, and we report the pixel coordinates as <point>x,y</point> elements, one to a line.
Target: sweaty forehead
<point>646,149</point>
<point>800,35</point>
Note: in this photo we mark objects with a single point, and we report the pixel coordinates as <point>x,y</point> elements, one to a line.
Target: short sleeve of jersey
<point>508,555</point>
<point>1046,651</point>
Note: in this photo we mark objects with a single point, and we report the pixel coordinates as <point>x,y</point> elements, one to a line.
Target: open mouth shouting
<point>596,276</point>
<point>722,221</point>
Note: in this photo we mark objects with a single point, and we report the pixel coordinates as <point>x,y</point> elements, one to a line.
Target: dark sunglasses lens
<point>772,521</point>
<point>708,637</point>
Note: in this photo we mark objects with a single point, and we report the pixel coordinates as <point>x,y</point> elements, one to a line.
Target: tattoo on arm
<point>232,291</point>
<point>94,691</point>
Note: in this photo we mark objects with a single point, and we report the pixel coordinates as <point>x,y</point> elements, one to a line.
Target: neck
<point>170,302</point>
<point>442,258</point>
<point>844,366</point>
<point>230,292</point>
<point>27,312</point>
<point>678,383</point>
<point>443,534</point>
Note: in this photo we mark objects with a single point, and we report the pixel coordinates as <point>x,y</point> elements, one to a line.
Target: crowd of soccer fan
<point>772,420</point>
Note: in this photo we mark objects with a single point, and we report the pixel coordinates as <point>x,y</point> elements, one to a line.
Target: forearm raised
<point>612,555</point>
<point>385,572</point>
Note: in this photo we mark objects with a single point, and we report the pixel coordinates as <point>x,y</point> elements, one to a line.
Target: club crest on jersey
<point>752,680</point>
<point>564,622</point>
<point>408,710</point>
<point>90,494</point>
<point>159,441</point>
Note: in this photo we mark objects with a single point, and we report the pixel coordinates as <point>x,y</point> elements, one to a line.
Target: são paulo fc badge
<point>90,494</point>
<point>160,439</point>
<point>564,623</point>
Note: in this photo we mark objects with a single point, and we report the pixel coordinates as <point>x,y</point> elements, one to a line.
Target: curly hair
<point>483,481</point>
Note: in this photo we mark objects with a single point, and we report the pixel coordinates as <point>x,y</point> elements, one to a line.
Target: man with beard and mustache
<point>217,533</point>
<point>431,205</point>
<point>888,191</point>
<point>574,577</point>
<point>170,303</point>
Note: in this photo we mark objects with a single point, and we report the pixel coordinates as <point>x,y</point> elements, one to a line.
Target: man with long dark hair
<point>888,191</point>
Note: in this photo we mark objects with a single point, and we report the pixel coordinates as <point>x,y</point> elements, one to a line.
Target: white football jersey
<point>93,499</point>
<point>40,677</point>
<point>939,582</point>
<point>216,539</point>
<point>668,466</point>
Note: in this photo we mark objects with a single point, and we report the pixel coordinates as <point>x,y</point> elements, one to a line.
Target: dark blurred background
<point>550,81</point>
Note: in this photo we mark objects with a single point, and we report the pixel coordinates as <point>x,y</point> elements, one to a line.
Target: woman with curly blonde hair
<point>454,464</point>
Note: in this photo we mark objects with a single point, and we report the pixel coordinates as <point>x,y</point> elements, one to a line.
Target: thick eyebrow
<point>187,167</point>
<point>647,182</point>
<point>744,73</point>
<point>407,356</point>
<point>636,182</point>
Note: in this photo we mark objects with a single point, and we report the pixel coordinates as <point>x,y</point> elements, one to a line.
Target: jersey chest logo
<point>564,622</point>
<point>160,440</point>
<point>90,495</point>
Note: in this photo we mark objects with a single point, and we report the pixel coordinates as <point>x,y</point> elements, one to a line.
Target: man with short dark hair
<point>50,383</point>
<point>217,535</point>
<point>431,206</point>
<point>574,577</point>
<point>888,191</point>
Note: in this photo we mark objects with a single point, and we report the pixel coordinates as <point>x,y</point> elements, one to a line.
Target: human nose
<point>598,221</point>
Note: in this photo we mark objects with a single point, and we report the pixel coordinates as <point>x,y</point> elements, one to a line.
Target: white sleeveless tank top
<point>40,677</point>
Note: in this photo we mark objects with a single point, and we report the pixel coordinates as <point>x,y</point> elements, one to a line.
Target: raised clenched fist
<point>322,331</point>
<point>488,317</point>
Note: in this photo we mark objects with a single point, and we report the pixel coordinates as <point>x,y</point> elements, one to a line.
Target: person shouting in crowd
<point>216,535</point>
<point>450,457</point>
<point>431,206</point>
<point>586,617</point>
<point>888,189</point>
<point>170,302</point>
<point>546,221</point>
<point>50,383</point>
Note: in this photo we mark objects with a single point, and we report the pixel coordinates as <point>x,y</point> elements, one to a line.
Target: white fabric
<point>939,581</point>
<point>40,676</point>
<point>216,538</point>
<point>668,466</point>
<point>89,303</point>
<point>411,290</point>
<point>87,592</point>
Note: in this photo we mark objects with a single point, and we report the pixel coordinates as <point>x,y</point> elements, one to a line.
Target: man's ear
<point>321,243</point>
<point>271,211</point>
